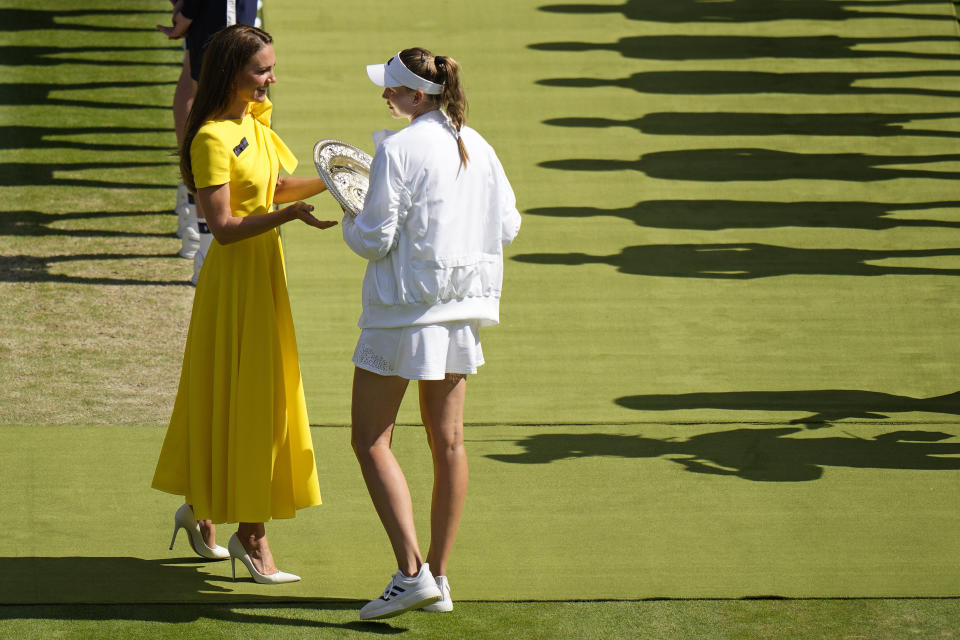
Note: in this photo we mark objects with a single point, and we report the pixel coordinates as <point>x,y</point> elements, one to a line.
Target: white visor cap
<point>395,74</point>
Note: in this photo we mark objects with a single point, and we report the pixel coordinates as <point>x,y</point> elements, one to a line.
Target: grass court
<point>723,399</point>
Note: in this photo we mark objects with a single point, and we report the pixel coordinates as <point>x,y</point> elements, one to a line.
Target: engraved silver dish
<point>345,170</point>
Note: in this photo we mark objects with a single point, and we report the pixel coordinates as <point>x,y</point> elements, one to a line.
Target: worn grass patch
<point>94,302</point>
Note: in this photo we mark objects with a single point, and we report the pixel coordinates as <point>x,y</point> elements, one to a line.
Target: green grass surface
<point>743,620</point>
<point>566,513</point>
<point>732,301</point>
<point>724,206</point>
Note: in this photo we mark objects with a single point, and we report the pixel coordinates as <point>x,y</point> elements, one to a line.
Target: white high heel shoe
<point>237,552</point>
<point>184,520</point>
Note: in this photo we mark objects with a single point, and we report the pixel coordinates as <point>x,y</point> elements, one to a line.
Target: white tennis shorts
<point>426,352</point>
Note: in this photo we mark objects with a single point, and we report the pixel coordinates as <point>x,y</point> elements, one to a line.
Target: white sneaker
<point>182,201</point>
<point>444,603</point>
<point>403,594</point>
<point>203,247</point>
<point>189,234</point>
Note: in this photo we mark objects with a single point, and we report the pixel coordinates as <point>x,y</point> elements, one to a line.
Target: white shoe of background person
<point>444,604</point>
<point>189,233</point>
<point>203,246</point>
<point>182,200</point>
<point>403,593</point>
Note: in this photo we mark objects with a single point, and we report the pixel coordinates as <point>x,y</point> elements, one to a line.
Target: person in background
<point>238,447</point>
<point>438,212</point>
<point>196,21</point>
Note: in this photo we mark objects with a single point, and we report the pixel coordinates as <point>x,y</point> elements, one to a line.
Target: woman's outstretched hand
<point>303,211</point>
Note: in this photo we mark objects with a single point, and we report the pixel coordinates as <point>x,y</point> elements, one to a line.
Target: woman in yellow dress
<point>238,447</point>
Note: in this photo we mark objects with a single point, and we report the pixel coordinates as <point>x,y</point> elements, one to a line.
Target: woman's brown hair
<point>229,51</point>
<point>446,71</point>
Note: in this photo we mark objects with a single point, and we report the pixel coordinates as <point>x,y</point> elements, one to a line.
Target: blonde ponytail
<point>446,71</point>
<point>453,99</point>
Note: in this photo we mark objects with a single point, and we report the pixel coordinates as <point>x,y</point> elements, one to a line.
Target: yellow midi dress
<point>238,447</point>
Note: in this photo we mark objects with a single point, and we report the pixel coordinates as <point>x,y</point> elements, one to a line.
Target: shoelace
<point>388,592</point>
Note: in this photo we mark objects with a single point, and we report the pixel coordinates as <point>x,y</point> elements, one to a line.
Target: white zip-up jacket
<point>432,230</point>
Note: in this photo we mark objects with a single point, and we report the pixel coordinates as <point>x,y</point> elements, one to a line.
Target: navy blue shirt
<point>209,16</point>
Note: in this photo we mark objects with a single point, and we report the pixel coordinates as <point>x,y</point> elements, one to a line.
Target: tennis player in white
<point>437,215</point>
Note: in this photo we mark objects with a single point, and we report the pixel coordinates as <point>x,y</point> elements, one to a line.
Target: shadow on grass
<point>17,137</point>
<point>827,406</point>
<point>42,94</point>
<point>713,215</point>
<point>66,19</point>
<point>22,268</point>
<point>115,588</point>
<point>750,82</point>
<point>749,260</point>
<point>749,10</point>
<point>761,164</point>
<point>773,124</point>
<point>751,164</point>
<point>37,223</point>
<point>47,56</point>
<point>725,47</point>
<point>760,455</point>
<point>24,174</point>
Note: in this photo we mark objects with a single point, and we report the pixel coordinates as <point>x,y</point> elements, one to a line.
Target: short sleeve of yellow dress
<point>238,446</point>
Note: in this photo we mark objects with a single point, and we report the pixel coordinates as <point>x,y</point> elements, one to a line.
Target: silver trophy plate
<point>345,170</point>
